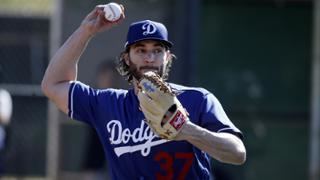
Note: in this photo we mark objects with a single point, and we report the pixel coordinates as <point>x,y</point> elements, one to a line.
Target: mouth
<point>147,69</point>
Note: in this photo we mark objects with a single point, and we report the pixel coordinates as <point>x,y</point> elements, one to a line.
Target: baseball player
<point>156,130</point>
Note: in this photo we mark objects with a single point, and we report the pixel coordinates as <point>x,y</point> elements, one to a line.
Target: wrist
<point>191,131</point>
<point>85,32</point>
<point>186,131</point>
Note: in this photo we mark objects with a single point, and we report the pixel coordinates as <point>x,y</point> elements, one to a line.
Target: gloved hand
<point>163,111</point>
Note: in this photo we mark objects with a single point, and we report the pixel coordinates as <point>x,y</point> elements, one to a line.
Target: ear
<point>126,59</point>
<point>169,56</point>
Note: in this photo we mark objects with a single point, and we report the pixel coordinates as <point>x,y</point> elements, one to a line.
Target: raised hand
<point>95,21</point>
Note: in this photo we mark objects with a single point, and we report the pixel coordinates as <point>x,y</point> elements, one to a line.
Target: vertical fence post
<point>315,98</point>
<point>52,164</point>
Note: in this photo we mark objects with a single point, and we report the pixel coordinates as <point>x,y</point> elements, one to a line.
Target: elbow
<point>236,157</point>
<point>240,157</point>
<point>45,87</point>
<point>240,154</point>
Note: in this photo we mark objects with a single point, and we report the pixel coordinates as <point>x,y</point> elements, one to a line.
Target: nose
<point>149,57</point>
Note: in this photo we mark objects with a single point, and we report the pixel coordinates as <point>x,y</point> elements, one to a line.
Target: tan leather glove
<point>163,111</point>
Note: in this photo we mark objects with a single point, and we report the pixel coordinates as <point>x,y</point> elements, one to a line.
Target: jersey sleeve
<point>214,118</point>
<point>81,102</point>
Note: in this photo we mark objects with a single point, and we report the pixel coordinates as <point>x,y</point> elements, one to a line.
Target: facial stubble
<point>137,74</point>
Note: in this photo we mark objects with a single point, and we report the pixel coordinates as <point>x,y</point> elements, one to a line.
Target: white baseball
<point>5,106</point>
<point>112,11</point>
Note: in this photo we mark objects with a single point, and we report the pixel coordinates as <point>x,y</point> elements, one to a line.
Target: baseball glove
<point>163,112</point>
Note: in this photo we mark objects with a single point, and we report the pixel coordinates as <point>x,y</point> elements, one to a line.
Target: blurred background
<point>259,57</point>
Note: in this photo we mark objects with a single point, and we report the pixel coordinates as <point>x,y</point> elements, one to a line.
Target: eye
<point>140,50</point>
<point>157,51</point>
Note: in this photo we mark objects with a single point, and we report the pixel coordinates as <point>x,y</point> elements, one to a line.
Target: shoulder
<point>82,88</point>
<point>112,91</point>
<point>180,89</point>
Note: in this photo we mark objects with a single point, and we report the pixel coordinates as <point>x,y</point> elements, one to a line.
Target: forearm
<point>63,68</point>
<point>224,147</point>
<point>63,65</point>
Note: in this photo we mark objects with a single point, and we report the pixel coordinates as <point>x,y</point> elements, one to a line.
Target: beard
<point>137,72</point>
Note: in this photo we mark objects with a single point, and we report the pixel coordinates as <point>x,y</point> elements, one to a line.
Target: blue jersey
<point>132,150</point>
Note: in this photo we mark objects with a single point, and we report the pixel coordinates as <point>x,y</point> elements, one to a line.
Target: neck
<point>135,85</point>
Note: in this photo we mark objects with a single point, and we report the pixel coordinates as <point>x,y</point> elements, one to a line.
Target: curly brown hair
<point>124,69</point>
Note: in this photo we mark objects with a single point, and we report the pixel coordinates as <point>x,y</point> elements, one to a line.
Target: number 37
<point>166,163</point>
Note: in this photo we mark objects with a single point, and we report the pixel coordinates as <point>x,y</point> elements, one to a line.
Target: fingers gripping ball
<point>112,11</point>
<point>163,111</point>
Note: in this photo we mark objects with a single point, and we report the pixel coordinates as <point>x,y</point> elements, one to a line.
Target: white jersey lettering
<point>123,136</point>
